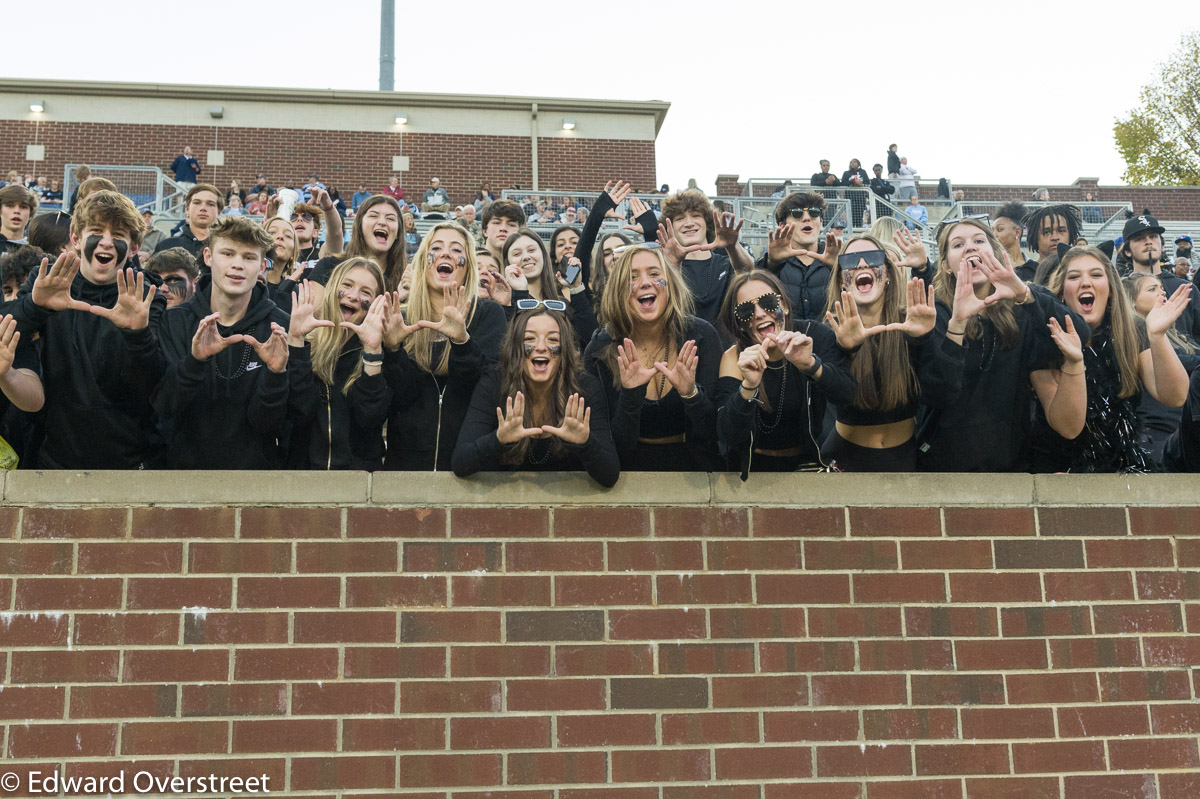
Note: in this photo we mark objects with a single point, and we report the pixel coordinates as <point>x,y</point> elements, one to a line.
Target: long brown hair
<point>1119,316</point>
<point>327,342</point>
<point>882,366</point>
<point>419,345</point>
<point>728,316</point>
<point>1133,287</point>
<point>546,281</point>
<point>945,280</point>
<point>393,268</point>
<point>512,376</point>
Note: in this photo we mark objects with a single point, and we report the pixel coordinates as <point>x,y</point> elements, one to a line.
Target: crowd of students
<point>253,347</point>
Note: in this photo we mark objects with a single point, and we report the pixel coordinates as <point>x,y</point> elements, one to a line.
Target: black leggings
<point>853,458</point>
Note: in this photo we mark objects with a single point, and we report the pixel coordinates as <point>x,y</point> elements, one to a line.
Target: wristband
<point>372,357</point>
<point>695,393</point>
<point>950,332</point>
<point>1073,374</point>
<point>753,396</point>
<point>812,370</point>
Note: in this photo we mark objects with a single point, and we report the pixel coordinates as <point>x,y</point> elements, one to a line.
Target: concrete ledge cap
<point>538,488</point>
<point>1117,489</point>
<point>873,490</point>
<point>186,488</point>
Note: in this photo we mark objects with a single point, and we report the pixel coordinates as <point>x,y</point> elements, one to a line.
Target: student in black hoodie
<point>340,398</point>
<point>436,349</point>
<point>224,396</point>
<point>794,253</point>
<point>100,356</point>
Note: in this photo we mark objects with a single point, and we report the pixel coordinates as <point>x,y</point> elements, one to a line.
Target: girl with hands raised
<point>775,380</point>
<point>532,276</point>
<point>20,371</point>
<point>533,411</point>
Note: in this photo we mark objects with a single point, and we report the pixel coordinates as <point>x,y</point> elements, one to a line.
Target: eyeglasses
<point>647,245</point>
<point>797,213</point>
<point>549,305</point>
<point>872,257</point>
<point>981,217</point>
<point>299,217</point>
<point>769,302</point>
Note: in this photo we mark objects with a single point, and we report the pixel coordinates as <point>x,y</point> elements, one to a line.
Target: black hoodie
<point>226,412</point>
<point>98,380</point>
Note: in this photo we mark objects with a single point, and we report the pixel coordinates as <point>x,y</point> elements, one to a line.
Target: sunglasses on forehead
<point>853,259</point>
<point>646,245</point>
<point>550,305</point>
<point>798,213</point>
<point>769,302</point>
<point>980,217</point>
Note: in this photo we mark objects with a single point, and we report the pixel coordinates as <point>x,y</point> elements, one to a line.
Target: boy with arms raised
<point>224,395</point>
<point>100,356</point>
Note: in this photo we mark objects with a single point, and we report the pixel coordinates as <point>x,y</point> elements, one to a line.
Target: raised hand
<point>510,427</point>
<point>52,288</point>
<point>320,198</point>
<point>833,246</point>
<point>303,322</point>
<point>682,373</point>
<point>847,324</point>
<point>779,244</point>
<point>966,303</point>
<point>1067,341</point>
<point>395,329</point>
<point>633,374</point>
<point>672,249</point>
<point>1164,314</point>
<point>132,310</point>
<point>453,324</point>
<point>562,280</point>
<point>208,341</point>
<point>1002,276</point>
<point>9,338</point>
<point>576,426</point>
<point>796,347</point>
<point>273,351</point>
<point>370,329</point>
<point>915,253</point>
<point>727,232</point>
<point>516,278</point>
<point>637,208</point>
<point>617,192</point>
<point>752,361</point>
<point>921,315</point>
<point>273,203</point>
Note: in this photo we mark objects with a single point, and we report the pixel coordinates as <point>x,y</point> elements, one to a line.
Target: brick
<point>346,556</point>
<point>605,590</point>
<point>289,592</point>
<point>1088,586</point>
<point>1015,788</point>
<point>603,659</point>
<point>536,768</point>
<point>1158,753</point>
<point>130,558</point>
<point>435,771</point>
<point>633,693</point>
<point>802,589</point>
<point>326,773</point>
<point>953,759</point>
<point>502,524</point>
<point>528,732</point>
<point>1118,553</point>
<point>914,789</point>
<point>892,522</point>
<point>240,557</point>
<point>33,629</point>
<point>558,694</point>
<point>856,622</point>
<point>705,589</point>
<point>500,661</point>
<point>706,658</point>
<point>391,734</point>
<point>275,769</point>
<point>958,689</point>
<point>25,557</point>
<point>449,626</point>
<point>342,698</point>
<point>607,730</point>
<point>951,621</point>
<point>943,554</point>
<point>360,626</point>
<point>150,593</point>
<point>1043,621</point>
<point>660,765</point>
<point>1164,521</point>
<point>9,521</point>
<point>1048,757</point>
<point>909,723</point>
<point>989,522</point>
<point>394,591</point>
<point>1126,786</point>
<point>806,656</point>
<point>803,790</point>
<point>67,593</point>
<point>881,588</point>
<point>851,555</point>
<point>1187,550</point>
<point>1143,686</point>
<point>665,624</point>
<point>1039,554</point>
<point>106,523</point>
<point>284,735</point>
<point>697,729</point>
<point>1173,719</point>
<point>609,793</point>
<point>863,761</point>
<point>810,725</point>
<point>757,623</point>
<point>1168,585</point>
<point>1139,619</point>
<point>40,702</point>
<point>905,655</point>
<point>1008,654</point>
<point>427,556</point>
<point>554,556</point>
<point>284,523</point>
<point>1172,651</point>
<point>1002,587</point>
<point>1108,721</point>
<point>500,591</point>
<point>1081,521</point>
<point>174,737</point>
<point>94,665</point>
<point>1090,653</point>
<point>292,663</point>
<point>460,696</point>
<point>701,523</point>
<point>758,554</point>
<point>600,522</point>
<point>655,555</point>
<point>1176,786</point>
<point>800,522</point>
<point>394,662</point>
<point>561,625</point>
<point>764,762</point>
<point>119,701</point>
<point>1052,688</point>
<point>183,522</point>
<point>61,740</point>
<point>396,523</point>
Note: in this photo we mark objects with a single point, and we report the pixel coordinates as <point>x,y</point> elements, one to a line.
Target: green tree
<point>1160,140</point>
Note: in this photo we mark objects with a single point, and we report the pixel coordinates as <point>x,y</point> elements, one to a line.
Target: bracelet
<point>753,396</point>
<point>950,332</point>
<point>372,357</point>
<point>1081,371</point>
<point>695,393</point>
<point>810,371</point>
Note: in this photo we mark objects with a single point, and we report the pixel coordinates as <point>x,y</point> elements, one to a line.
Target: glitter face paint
<point>555,350</point>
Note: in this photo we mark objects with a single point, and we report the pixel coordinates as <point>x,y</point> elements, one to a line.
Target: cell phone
<point>569,271</point>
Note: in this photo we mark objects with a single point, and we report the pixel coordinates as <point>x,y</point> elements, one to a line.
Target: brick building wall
<point>528,637</point>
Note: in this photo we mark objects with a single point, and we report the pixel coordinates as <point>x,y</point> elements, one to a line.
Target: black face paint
<point>462,261</point>
<point>429,259</point>
<point>555,350</point>
<point>92,242</point>
<point>363,304</point>
<point>661,283</point>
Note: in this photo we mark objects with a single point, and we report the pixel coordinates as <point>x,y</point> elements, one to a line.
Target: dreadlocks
<point>1069,214</point>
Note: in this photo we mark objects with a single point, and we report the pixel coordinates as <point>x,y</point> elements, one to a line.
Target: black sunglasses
<point>872,258</point>
<point>797,213</point>
<point>769,302</point>
<point>550,305</point>
<point>305,217</point>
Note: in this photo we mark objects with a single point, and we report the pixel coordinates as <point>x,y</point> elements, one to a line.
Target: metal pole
<point>387,45</point>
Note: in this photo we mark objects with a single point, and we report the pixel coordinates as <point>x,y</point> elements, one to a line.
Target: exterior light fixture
<point>401,118</point>
<point>568,123</point>
<point>37,106</point>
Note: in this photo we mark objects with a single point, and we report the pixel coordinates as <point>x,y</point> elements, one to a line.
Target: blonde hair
<point>419,345</point>
<point>327,342</point>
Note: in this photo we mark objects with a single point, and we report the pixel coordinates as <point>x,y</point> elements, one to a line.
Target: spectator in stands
<point>376,235</point>
<point>258,206</point>
<point>1143,246</point>
<point>531,274</point>
<point>465,216</point>
<point>235,190</point>
<point>152,235</point>
<point>1092,214</point>
<point>530,206</point>
<point>202,205</point>
<point>17,205</point>
<point>824,178</point>
<point>568,216</point>
<point>916,213</point>
<point>436,199</point>
<point>393,189</point>
<point>40,188</point>
<point>82,173</point>
<point>1041,195</point>
<point>260,186</point>
<point>501,219</point>
<point>178,271</point>
<point>235,206</point>
<point>545,214</point>
<point>855,175</point>
<point>339,204</point>
<point>1183,268</point>
<point>94,184</point>
<point>98,413</point>
<point>484,197</point>
<point>781,190</point>
<point>906,181</point>
<point>185,168</point>
<point>310,187</point>
<point>412,239</point>
<point>1183,246</point>
<point>1008,225</point>
<point>16,267</point>
<point>51,233</point>
<point>882,188</point>
<point>1051,225</point>
<point>893,162</point>
<point>307,219</point>
<point>360,196</point>
<point>54,193</point>
<point>21,391</point>
<point>581,215</point>
<point>224,396</point>
<point>11,178</point>
<point>492,285</point>
<point>796,254</point>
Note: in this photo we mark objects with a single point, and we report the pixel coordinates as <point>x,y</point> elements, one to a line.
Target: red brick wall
<point>609,652</point>
<point>341,158</point>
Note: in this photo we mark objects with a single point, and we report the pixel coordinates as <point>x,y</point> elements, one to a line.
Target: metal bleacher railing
<point>148,187</point>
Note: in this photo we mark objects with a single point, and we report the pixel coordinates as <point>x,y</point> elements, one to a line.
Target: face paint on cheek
<point>661,283</point>
<point>89,248</point>
<point>528,350</point>
<point>462,261</point>
<point>555,350</point>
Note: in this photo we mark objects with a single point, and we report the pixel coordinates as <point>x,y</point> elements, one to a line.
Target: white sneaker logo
<point>252,365</point>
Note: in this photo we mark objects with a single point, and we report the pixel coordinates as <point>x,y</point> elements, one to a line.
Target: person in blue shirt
<point>915,212</point>
<point>186,168</point>
<point>359,196</point>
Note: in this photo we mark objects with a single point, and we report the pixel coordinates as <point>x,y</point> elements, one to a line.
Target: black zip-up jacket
<point>338,430</point>
<point>427,410</point>
<point>807,286</point>
<point>98,380</point>
<point>226,412</point>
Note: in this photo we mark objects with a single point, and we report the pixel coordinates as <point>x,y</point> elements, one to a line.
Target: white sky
<point>1008,92</point>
